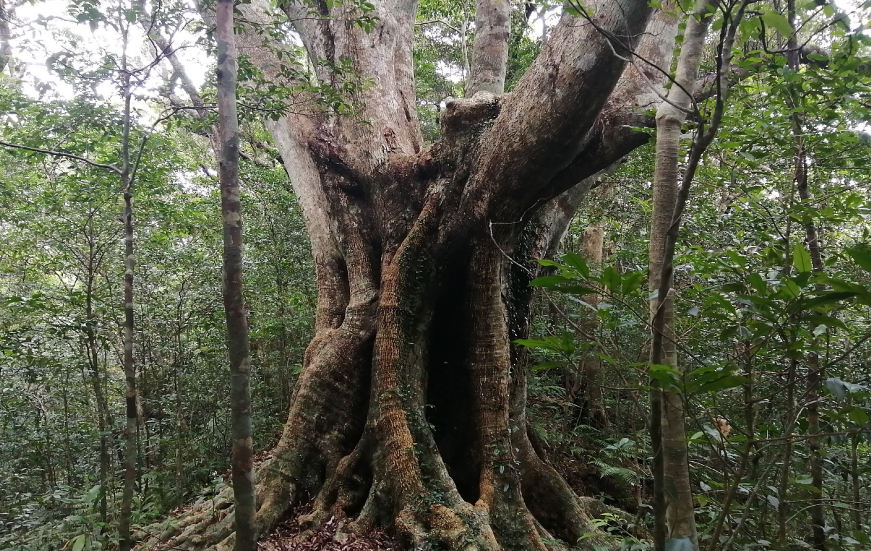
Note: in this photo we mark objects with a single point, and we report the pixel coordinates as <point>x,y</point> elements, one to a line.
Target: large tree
<point>410,409</point>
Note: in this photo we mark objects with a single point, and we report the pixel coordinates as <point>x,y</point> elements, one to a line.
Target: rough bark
<point>410,409</point>
<point>671,473</point>
<point>234,302</point>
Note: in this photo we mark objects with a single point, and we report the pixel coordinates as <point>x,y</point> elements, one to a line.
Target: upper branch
<point>63,154</point>
<point>546,122</point>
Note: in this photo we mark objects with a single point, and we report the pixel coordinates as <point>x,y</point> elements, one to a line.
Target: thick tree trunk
<point>410,409</point>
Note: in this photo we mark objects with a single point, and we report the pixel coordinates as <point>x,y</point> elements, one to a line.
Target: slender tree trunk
<point>854,476</point>
<point>490,49</point>
<point>746,357</point>
<point>68,452</point>
<point>671,474</point>
<point>6,14</point>
<point>588,376</point>
<point>815,371</point>
<point>130,395</point>
<point>104,422</point>
<point>786,459</point>
<point>234,302</point>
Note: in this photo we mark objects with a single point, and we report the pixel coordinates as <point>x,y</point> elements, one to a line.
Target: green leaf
<point>665,374</point>
<point>632,281</point>
<point>777,21</point>
<point>78,542</point>
<point>722,383</point>
<point>791,289</point>
<point>567,343</point>
<point>828,297</point>
<point>801,259</point>
<point>755,280</point>
<point>606,358</point>
<point>611,279</point>
<point>532,343</point>
<point>824,320</point>
<point>546,365</point>
<point>859,416</point>
<point>546,262</point>
<point>861,255</point>
<point>578,263</point>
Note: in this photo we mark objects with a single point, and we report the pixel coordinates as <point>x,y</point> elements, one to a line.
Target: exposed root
<point>428,521</point>
<point>346,490</point>
<point>209,522</point>
<point>333,535</point>
<point>436,526</point>
<point>205,524</point>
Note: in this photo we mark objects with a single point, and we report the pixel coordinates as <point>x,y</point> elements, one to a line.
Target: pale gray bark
<point>6,14</point>
<point>671,467</point>
<point>490,49</point>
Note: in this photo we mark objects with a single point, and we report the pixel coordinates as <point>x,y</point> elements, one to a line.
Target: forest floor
<point>290,536</point>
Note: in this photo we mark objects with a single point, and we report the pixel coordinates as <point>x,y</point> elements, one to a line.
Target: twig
<point>113,168</point>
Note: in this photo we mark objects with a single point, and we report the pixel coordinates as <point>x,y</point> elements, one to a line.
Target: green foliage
<point>60,290</point>
<point>750,305</point>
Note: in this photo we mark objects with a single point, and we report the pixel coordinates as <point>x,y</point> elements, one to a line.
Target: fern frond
<point>627,476</point>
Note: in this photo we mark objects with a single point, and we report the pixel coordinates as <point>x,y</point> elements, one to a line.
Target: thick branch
<point>544,124</point>
<point>614,134</point>
<point>186,83</point>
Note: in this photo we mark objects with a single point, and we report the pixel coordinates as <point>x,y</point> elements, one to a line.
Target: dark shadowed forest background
<point>771,275</point>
